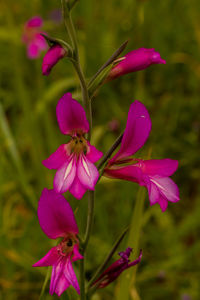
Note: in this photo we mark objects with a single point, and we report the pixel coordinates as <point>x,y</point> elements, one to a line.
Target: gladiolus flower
<point>153,174</point>
<point>114,270</point>
<point>57,220</point>
<point>33,39</point>
<point>135,60</point>
<point>75,160</point>
<point>53,55</point>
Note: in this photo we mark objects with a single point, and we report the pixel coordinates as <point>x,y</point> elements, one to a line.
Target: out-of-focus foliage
<point>170,268</point>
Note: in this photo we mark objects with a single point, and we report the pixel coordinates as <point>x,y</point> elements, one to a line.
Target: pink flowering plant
<point>80,165</point>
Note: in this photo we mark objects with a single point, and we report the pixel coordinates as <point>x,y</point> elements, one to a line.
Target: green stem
<point>110,151</point>
<point>45,283</point>
<point>87,106</point>
<point>82,278</point>
<point>90,218</point>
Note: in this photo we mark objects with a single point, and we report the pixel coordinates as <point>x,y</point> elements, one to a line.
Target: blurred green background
<point>29,133</point>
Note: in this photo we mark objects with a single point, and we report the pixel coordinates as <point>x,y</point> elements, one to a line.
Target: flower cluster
<point>76,172</point>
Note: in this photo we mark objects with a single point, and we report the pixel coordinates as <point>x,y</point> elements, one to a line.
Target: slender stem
<point>82,278</point>
<point>90,218</point>
<point>45,283</point>
<point>87,106</point>
<point>110,151</point>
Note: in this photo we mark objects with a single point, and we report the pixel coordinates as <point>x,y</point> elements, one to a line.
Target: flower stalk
<point>87,106</point>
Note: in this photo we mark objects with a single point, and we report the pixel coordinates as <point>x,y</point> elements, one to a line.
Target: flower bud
<point>116,268</point>
<point>53,55</point>
<point>135,60</point>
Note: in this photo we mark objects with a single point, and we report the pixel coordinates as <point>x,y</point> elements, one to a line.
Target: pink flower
<point>32,38</point>
<point>75,160</point>
<point>153,174</point>
<point>57,220</point>
<point>114,270</point>
<point>136,60</point>
<point>53,55</point>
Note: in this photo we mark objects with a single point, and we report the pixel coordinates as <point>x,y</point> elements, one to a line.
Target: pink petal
<point>62,285</point>
<point>40,41</point>
<point>65,175</point>
<point>57,272</point>
<point>53,55</point>
<point>35,22</point>
<point>162,167</point>
<point>58,158</point>
<point>70,275</point>
<point>154,193</point>
<point>163,203</point>
<point>55,215</point>
<point>77,189</point>
<point>71,116</point>
<point>167,188</point>
<point>49,259</point>
<point>76,255</point>
<point>130,173</point>
<point>93,154</point>
<point>33,51</point>
<point>137,130</point>
<point>87,173</point>
<point>136,60</point>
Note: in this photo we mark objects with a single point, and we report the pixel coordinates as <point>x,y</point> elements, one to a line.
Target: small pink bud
<point>53,55</point>
<point>136,60</point>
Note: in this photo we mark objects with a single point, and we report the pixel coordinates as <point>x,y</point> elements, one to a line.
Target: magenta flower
<point>75,160</point>
<point>33,39</point>
<point>153,174</point>
<point>135,60</point>
<point>53,55</point>
<point>57,220</point>
<point>114,270</point>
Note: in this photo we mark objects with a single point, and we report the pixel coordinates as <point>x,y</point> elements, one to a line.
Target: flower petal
<point>76,255</point>
<point>34,22</point>
<point>57,158</point>
<point>40,41</point>
<point>55,215</point>
<point>137,130</point>
<point>53,55</point>
<point>167,188</point>
<point>33,50</point>
<point>87,173</point>
<point>77,189</point>
<point>93,154</point>
<point>130,173</point>
<point>65,175</point>
<point>162,167</point>
<point>62,285</point>
<point>49,259</point>
<point>57,272</point>
<point>71,116</point>
<point>70,274</point>
<point>154,193</point>
<point>136,60</point>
